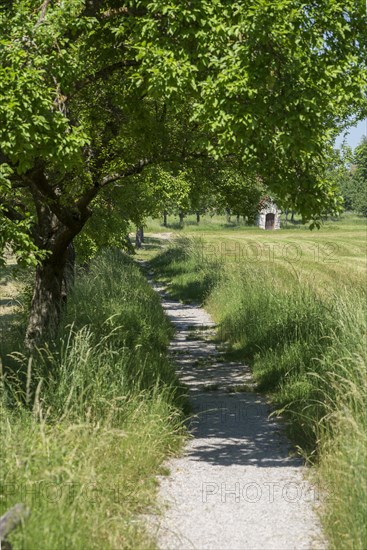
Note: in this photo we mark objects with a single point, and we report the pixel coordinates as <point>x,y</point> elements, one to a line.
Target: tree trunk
<point>238,219</point>
<point>54,275</point>
<point>181,216</point>
<point>228,212</point>
<point>165,218</point>
<point>139,237</point>
<point>292,216</point>
<point>48,297</point>
<point>58,222</point>
<point>69,273</point>
<point>129,245</point>
<point>198,217</point>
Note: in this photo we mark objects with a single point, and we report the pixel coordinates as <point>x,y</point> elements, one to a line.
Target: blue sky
<point>355,135</point>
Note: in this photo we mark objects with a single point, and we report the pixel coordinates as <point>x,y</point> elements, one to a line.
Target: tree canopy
<point>94,91</point>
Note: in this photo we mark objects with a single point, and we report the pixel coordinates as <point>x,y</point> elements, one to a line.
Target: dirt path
<point>235,487</point>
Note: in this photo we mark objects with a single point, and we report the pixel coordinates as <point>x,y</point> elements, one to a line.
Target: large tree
<point>93,91</point>
<point>73,122</point>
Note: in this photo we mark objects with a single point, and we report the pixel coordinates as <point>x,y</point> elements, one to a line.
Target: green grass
<point>304,337</point>
<point>88,421</point>
<point>189,274</point>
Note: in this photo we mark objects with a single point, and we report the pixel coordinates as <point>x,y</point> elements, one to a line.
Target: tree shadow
<point>236,429</point>
<point>152,243</point>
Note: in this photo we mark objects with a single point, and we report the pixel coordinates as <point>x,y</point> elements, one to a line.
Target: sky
<point>355,135</point>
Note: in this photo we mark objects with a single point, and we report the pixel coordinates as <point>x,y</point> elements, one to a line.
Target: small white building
<point>269,215</point>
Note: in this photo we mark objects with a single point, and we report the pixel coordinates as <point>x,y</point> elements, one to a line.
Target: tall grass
<point>87,422</point>
<point>308,350</point>
<point>184,266</point>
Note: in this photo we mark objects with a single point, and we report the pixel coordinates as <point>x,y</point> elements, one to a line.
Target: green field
<point>333,256</point>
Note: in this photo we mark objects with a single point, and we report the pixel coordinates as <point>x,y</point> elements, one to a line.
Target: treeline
<point>226,191</point>
<point>352,179</point>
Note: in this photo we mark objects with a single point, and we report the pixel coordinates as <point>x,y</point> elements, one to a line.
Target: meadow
<point>334,254</point>
<point>292,304</point>
<point>88,420</point>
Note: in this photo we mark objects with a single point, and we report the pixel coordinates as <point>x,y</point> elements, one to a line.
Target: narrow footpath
<point>236,486</point>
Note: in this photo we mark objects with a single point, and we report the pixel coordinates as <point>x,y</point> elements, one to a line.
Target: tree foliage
<point>270,88</point>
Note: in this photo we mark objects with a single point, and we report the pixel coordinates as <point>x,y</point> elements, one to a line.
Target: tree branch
<point>43,13</point>
<point>134,169</point>
<point>85,200</point>
<point>123,11</point>
<point>93,8</point>
<point>137,168</point>
<point>105,72</point>
<point>10,213</point>
<point>37,180</point>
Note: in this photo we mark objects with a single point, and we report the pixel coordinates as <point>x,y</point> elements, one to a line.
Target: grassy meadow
<point>87,423</point>
<point>335,254</point>
<point>292,304</point>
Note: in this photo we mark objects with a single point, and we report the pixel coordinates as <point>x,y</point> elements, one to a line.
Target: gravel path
<point>235,487</point>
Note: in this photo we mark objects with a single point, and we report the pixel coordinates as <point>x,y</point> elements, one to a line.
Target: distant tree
<point>340,169</point>
<point>349,170</point>
<point>241,194</point>
<point>358,187</point>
